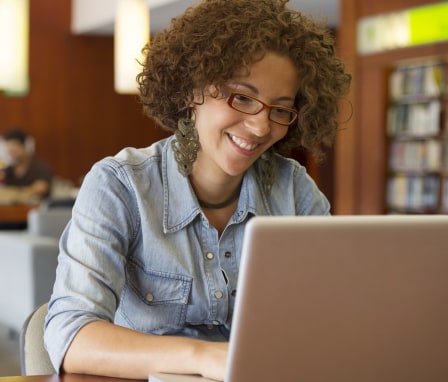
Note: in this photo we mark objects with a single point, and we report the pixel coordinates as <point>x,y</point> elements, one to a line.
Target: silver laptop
<point>340,298</point>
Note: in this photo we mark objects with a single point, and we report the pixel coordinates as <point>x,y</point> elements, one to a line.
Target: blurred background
<point>75,115</point>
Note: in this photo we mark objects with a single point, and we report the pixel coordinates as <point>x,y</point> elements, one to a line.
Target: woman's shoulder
<point>293,177</point>
<point>137,155</point>
<point>131,162</point>
<point>285,169</point>
<point>290,172</point>
<point>287,165</point>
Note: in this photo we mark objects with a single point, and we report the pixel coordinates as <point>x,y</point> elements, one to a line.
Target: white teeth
<point>242,144</point>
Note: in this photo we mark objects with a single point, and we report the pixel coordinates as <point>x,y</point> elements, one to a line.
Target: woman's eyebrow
<point>250,87</point>
<point>254,90</point>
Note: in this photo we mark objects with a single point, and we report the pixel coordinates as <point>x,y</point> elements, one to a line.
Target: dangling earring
<point>186,145</point>
<point>267,170</point>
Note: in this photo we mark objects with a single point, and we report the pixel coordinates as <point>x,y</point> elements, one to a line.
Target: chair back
<point>48,222</point>
<point>34,359</point>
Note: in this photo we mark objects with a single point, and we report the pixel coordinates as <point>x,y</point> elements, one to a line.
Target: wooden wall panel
<point>345,165</point>
<point>72,109</point>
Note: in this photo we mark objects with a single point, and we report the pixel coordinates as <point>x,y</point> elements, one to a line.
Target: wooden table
<point>14,216</point>
<point>14,207</point>
<point>15,213</point>
<point>65,378</point>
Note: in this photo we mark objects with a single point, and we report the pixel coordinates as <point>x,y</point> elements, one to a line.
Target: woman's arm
<point>102,348</point>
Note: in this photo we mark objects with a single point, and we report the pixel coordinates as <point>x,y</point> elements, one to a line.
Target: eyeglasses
<point>250,105</point>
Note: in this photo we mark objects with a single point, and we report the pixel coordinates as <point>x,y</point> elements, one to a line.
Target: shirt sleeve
<point>90,272</point>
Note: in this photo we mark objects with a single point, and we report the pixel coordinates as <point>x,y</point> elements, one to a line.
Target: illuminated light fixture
<point>131,34</point>
<point>14,41</point>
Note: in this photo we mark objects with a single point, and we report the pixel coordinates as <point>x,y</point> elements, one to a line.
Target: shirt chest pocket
<point>154,301</point>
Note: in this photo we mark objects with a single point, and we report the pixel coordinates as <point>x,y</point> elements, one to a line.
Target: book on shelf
<point>415,155</point>
<point>418,79</point>
<point>416,119</point>
<point>413,192</point>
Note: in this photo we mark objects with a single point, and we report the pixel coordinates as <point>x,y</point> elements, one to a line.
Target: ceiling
<point>97,17</point>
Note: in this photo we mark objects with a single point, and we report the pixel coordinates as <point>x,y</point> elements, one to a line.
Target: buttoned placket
<point>218,266</point>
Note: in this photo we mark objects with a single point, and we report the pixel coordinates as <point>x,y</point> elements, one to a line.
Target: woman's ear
<point>198,98</point>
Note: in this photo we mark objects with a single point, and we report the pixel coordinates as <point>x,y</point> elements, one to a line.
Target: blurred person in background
<point>31,176</point>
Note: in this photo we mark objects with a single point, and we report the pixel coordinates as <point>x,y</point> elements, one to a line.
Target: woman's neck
<point>225,203</point>
<point>214,193</point>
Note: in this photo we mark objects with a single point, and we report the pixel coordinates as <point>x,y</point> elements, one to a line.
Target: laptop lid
<point>342,298</point>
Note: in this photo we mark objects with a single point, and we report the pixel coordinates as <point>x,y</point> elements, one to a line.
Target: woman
<point>148,267</point>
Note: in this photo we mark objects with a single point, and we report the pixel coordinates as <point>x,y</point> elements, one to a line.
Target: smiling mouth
<point>243,144</point>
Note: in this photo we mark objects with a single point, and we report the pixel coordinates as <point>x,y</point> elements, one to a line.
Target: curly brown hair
<point>209,42</point>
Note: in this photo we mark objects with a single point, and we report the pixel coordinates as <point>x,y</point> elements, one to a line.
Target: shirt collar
<point>180,205</point>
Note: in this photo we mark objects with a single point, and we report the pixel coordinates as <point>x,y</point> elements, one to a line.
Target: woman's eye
<point>280,111</point>
<point>240,98</point>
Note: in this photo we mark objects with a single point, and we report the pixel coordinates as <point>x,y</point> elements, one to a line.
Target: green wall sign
<point>428,24</point>
<point>422,25</point>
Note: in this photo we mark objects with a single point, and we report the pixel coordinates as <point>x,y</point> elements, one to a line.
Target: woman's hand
<point>212,359</point>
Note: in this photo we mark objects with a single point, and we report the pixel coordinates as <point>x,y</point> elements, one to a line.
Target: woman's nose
<point>259,124</point>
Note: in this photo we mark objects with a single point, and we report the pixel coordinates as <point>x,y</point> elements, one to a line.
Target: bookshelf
<point>417,137</point>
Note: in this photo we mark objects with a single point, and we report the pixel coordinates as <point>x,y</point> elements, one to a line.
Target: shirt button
<point>218,294</point>
<point>215,322</point>
<point>210,256</point>
<point>227,254</point>
<point>149,297</point>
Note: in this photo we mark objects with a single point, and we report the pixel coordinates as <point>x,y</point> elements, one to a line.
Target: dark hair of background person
<point>15,134</point>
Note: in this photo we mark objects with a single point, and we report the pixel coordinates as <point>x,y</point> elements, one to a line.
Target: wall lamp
<point>130,35</point>
<point>14,45</point>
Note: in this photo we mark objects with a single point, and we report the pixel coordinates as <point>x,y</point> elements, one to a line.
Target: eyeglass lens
<point>249,105</point>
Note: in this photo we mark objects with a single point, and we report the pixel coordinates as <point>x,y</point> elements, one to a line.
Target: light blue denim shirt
<point>139,251</point>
